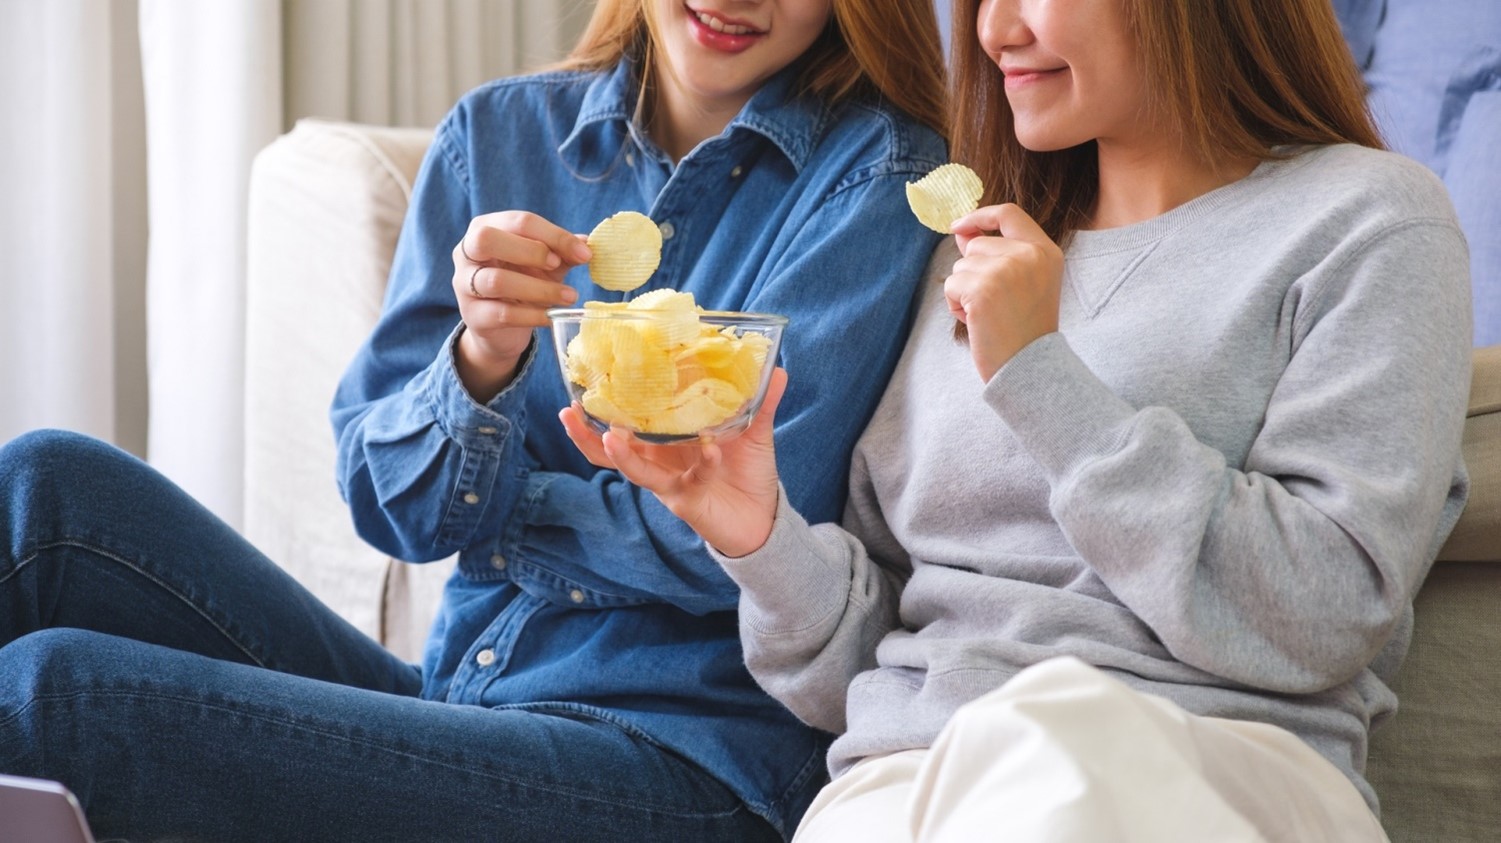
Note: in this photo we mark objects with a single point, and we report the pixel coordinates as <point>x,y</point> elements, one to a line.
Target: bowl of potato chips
<point>664,368</point>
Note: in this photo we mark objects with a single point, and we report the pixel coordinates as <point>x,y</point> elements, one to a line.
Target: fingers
<point>1007,221</point>
<point>521,239</point>
<point>628,456</point>
<point>493,282</point>
<point>761,425</point>
<point>584,437</point>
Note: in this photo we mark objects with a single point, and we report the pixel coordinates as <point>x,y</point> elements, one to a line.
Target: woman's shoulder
<point>554,95</point>
<point>884,138</point>
<point>1371,182</point>
<point>541,87</point>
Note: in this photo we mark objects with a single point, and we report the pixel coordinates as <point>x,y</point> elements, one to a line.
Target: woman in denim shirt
<point>584,679</point>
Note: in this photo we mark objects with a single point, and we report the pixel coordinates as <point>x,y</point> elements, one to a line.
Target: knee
<point>44,701</point>
<point>44,663</point>
<point>37,467</point>
<point>46,450</point>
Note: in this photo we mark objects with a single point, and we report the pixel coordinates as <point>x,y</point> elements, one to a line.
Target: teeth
<point>720,26</point>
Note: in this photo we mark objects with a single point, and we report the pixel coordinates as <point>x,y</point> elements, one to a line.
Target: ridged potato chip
<point>627,248</point>
<point>944,195</point>
<point>666,373</point>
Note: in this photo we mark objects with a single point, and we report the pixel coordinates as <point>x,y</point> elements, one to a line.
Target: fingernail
<point>568,295</point>
<point>553,260</point>
<point>581,253</point>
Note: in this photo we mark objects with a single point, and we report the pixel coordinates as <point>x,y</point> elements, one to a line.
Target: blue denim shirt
<point>586,595</point>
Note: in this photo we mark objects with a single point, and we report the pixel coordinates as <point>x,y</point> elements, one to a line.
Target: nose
<point>1000,26</point>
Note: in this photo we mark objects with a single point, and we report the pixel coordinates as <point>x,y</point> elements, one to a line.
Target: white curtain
<point>222,80</point>
<point>108,102</point>
<point>72,220</point>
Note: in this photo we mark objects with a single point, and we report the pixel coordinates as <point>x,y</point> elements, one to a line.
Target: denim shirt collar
<point>792,123</point>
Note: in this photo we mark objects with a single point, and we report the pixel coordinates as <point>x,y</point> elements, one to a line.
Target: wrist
<point>752,535</point>
<point>483,373</point>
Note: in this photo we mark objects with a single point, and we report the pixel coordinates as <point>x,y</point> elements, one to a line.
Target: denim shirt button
<point>735,173</point>
<point>630,159</point>
<point>471,498</point>
<point>667,230</point>
<point>485,657</point>
<point>498,562</point>
<point>576,596</point>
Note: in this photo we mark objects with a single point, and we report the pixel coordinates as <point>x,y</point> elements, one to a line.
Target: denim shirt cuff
<point>476,426</point>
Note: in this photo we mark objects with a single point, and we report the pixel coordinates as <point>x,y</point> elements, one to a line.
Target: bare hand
<point>507,271</point>
<point>727,492</point>
<point>1006,287</point>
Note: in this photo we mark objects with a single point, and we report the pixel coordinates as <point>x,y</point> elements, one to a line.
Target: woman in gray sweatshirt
<point>1199,443</point>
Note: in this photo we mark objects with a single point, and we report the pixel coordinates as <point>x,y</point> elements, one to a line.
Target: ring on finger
<point>465,252</point>
<point>472,276</point>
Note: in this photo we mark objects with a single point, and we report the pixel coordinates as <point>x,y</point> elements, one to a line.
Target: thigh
<point>96,539</point>
<point>159,743</point>
<point>1063,752</point>
<point>869,803</point>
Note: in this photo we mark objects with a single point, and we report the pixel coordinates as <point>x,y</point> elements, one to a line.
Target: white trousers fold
<point>1065,754</point>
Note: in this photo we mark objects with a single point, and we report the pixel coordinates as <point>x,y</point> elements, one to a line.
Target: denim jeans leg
<point>93,538</point>
<point>163,744</point>
<point>186,688</point>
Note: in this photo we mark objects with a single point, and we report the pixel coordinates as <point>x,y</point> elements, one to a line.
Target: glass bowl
<point>668,375</point>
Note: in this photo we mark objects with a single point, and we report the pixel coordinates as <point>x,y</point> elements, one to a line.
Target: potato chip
<point>944,195</point>
<point>643,379</point>
<point>674,301</point>
<point>627,248</point>
<point>665,373</point>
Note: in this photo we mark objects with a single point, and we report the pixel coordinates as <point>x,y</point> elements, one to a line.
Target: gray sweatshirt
<point>1222,481</point>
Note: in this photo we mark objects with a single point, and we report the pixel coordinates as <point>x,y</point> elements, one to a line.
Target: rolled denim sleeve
<point>418,458</point>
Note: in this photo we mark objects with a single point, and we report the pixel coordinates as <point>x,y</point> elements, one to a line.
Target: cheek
<point>808,28</point>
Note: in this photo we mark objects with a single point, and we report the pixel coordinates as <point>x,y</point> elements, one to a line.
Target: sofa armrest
<point>326,205</point>
<point>1477,536</point>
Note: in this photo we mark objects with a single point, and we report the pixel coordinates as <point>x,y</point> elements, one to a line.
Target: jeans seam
<point>378,747</point>
<point>27,559</point>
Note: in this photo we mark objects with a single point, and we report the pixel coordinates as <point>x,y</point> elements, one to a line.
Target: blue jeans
<point>185,687</point>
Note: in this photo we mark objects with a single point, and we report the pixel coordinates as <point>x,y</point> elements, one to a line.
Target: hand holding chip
<point>726,490</point>
<point>1006,286</point>
<point>508,270</point>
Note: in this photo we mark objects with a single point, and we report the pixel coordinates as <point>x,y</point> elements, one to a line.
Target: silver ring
<point>465,252</point>
<point>472,290</point>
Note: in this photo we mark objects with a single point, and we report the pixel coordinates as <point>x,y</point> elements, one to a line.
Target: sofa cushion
<point>1477,536</point>
<point>326,203</point>
<point>1436,765</point>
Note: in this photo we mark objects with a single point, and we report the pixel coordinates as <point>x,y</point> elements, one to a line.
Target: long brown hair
<point>1241,77</point>
<point>887,49</point>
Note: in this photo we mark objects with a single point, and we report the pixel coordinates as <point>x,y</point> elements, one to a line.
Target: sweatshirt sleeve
<point>1290,572</point>
<point>814,603</point>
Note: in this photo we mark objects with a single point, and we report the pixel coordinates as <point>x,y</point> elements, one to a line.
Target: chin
<point>1041,140</point>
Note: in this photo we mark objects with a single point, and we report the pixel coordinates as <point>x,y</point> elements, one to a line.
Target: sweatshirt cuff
<point>1057,408</point>
<point>789,583</point>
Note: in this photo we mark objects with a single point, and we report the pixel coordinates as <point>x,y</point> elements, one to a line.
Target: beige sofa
<point>326,202</point>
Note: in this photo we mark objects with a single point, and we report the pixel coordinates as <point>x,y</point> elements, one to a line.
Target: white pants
<point>1063,752</point>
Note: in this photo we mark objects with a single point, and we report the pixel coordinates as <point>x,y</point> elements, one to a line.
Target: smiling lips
<point>720,25</point>
<point>1018,76</point>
